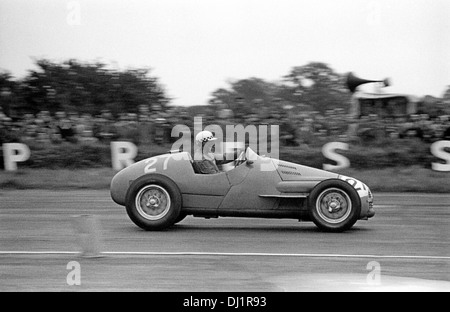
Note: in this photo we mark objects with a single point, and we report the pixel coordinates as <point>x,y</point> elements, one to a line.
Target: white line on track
<point>32,253</point>
<point>225,254</point>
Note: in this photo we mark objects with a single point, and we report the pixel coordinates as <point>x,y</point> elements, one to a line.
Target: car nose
<point>370,200</point>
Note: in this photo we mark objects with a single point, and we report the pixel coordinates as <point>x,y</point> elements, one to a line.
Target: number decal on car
<point>356,184</point>
<point>152,162</point>
<point>166,162</point>
<point>149,163</point>
<point>360,187</point>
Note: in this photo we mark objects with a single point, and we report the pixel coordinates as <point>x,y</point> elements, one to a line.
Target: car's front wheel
<point>153,202</point>
<point>334,206</point>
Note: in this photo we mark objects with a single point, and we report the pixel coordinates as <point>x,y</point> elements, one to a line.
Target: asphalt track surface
<point>406,247</point>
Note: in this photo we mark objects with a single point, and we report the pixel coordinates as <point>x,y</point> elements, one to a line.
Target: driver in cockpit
<point>207,164</point>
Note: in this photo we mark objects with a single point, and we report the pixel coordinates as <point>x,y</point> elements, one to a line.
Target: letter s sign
<point>329,151</point>
<point>438,150</point>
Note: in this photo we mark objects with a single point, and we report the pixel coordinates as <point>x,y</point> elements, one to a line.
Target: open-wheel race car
<point>161,191</point>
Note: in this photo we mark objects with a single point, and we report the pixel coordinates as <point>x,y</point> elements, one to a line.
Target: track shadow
<point>186,228</point>
<point>302,227</point>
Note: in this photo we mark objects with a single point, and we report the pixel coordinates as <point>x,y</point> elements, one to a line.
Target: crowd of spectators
<point>45,128</point>
<point>422,126</point>
<point>309,127</point>
<point>153,125</point>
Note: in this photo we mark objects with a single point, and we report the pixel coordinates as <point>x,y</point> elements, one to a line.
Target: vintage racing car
<point>161,191</point>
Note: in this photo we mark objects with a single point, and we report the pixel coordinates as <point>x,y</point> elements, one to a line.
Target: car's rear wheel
<point>181,217</point>
<point>334,206</point>
<point>153,202</point>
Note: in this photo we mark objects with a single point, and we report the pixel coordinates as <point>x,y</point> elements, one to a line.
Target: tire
<point>334,206</point>
<point>153,202</point>
<point>181,217</point>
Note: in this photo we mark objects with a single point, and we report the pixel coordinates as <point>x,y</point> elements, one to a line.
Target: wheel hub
<point>334,206</point>
<point>153,202</point>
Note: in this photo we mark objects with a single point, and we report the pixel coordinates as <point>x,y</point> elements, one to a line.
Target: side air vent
<point>291,173</point>
<point>288,167</point>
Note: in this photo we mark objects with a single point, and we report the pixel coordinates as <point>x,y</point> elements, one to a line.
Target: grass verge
<point>57,179</point>
<point>411,179</point>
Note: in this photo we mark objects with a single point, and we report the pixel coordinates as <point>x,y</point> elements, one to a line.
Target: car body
<point>160,191</point>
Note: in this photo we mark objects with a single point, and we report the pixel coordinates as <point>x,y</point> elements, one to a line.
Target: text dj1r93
<point>238,302</point>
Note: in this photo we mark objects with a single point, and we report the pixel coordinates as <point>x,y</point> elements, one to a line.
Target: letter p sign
<point>14,153</point>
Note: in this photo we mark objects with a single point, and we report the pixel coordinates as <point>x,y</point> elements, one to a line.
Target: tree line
<point>80,87</point>
<point>73,86</point>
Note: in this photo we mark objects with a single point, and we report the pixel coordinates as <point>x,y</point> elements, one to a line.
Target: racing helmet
<point>204,136</point>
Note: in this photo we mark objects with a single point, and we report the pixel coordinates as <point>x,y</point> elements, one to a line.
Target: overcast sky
<point>195,46</point>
